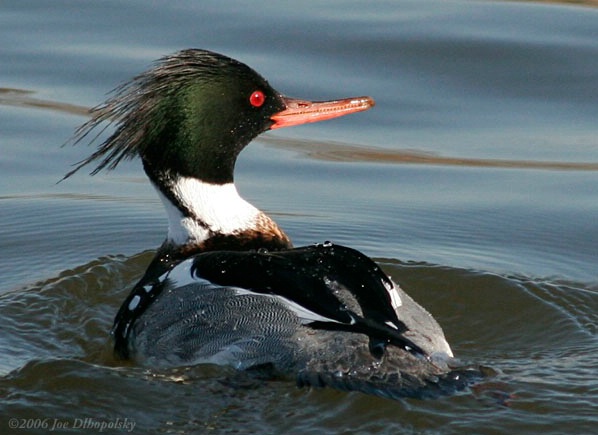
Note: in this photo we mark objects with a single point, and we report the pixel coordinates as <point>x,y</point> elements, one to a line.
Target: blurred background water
<point>473,182</point>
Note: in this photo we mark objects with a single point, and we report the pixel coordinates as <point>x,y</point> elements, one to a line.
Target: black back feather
<point>303,276</point>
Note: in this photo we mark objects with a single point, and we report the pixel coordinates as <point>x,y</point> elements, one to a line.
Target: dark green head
<point>194,112</point>
<point>190,115</point>
<point>199,111</point>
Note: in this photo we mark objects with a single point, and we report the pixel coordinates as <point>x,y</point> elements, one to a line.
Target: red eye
<point>257,99</point>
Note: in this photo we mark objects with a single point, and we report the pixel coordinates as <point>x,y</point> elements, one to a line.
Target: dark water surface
<point>474,182</point>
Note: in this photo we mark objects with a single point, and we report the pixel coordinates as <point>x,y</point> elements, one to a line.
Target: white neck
<point>213,208</point>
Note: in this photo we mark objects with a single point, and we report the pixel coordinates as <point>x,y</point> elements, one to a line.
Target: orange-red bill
<point>302,111</point>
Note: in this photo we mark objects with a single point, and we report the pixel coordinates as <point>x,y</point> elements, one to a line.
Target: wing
<point>318,283</point>
<point>320,279</point>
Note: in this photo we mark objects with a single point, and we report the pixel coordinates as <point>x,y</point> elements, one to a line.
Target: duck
<point>227,286</point>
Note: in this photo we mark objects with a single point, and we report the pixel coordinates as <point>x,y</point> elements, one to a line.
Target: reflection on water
<point>24,98</point>
<point>573,2</point>
<point>327,150</point>
<point>336,151</point>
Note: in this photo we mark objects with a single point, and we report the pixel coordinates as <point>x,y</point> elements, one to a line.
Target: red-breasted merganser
<point>227,287</point>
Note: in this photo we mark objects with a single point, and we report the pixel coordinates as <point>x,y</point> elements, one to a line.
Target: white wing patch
<point>134,302</point>
<point>181,275</point>
<point>392,325</point>
<point>395,299</point>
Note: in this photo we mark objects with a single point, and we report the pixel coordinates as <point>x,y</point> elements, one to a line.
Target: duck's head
<point>195,111</point>
<point>188,118</point>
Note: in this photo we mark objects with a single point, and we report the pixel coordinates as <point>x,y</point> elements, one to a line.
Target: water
<point>472,182</point>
